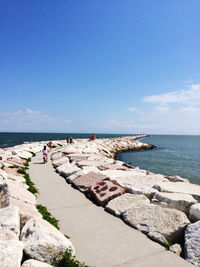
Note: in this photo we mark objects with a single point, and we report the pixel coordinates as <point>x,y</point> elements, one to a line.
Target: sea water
<point>175,155</point>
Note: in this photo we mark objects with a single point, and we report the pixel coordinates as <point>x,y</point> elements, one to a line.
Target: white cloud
<point>190,109</point>
<point>162,108</point>
<point>133,109</point>
<point>190,96</point>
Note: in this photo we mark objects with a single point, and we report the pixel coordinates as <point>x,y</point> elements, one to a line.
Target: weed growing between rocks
<point>2,166</point>
<point>33,153</point>
<point>13,166</point>
<point>66,259</point>
<point>46,215</point>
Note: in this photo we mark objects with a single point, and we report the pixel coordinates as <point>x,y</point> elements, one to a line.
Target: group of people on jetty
<point>47,148</point>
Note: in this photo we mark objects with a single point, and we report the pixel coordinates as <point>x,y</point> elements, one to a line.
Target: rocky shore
<point>165,208</point>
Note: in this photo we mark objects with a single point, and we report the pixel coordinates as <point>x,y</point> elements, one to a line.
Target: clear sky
<point>109,66</point>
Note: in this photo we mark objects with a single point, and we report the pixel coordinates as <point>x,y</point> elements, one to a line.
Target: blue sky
<point>109,66</point>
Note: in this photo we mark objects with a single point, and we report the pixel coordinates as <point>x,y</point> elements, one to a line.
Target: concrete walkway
<point>100,239</point>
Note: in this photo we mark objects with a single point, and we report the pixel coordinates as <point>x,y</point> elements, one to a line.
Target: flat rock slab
<point>11,252</point>
<point>12,171</point>
<point>84,182</point>
<point>90,163</point>
<point>3,174</point>
<point>159,223</point>
<point>121,204</point>
<point>60,161</point>
<point>42,241</point>
<point>77,157</point>
<point>104,191</point>
<point>194,213</point>
<point>112,167</point>
<point>66,169</point>
<point>192,243</point>
<point>140,183</point>
<point>34,263</point>
<point>56,155</point>
<point>7,234</point>
<point>9,219</point>
<point>174,200</point>
<point>180,187</point>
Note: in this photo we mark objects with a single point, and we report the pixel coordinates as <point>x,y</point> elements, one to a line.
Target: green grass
<point>2,166</point>
<point>22,170</point>
<point>13,166</point>
<point>33,153</point>
<point>47,215</point>
<point>26,164</point>
<point>31,185</point>
<point>67,260</point>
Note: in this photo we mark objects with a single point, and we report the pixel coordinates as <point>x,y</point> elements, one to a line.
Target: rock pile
<point>25,238</point>
<point>165,208</point>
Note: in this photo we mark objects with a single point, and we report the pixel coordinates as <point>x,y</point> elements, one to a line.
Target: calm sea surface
<point>176,155</point>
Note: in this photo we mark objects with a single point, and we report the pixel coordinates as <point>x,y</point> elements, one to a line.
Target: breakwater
<point>135,195</point>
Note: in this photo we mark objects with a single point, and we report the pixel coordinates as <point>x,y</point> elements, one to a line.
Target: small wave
<point>26,142</point>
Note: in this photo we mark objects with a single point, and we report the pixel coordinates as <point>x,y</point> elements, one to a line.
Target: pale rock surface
<point>16,178</point>
<point>9,219</point>
<point>66,169</point>
<point>75,175</point>
<point>26,210</point>
<point>42,241</point>
<point>194,213</point>
<point>7,234</point>
<point>95,163</point>
<point>20,193</point>
<point>153,219</point>
<point>177,179</point>
<point>84,182</point>
<point>56,155</point>
<point>60,161</point>
<point>11,252</point>
<point>180,187</point>
<point>22,154</point>
<point>192,243</point>
<point>174,200</point>
<point>34,263</point>
<point>176,249</point>
<point>120,204</point>
<point>3,174</point>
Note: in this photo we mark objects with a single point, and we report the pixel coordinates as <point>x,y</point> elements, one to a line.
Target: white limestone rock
<point>22,154</point>
<point>9,218</point>
<point>121,204</point>
<point>174,200</point>
<point>153,219</point>
<point>7,234</point>
<point>194,213</point>
<point>26,210</point>
<point>56,155</point>
<point>177,178</point>
<point>179,187</point>
<point>176,249</point>
<point>75,175</point>
<point>66,169</point>
<point>3,175</point>
<point>11,252</point>
<point>42,241</point>
<point>34,263</point>
<point>60,161</point>
<point>192,243</point>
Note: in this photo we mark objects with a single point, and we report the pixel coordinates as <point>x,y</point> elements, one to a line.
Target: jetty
<point>115,214</point>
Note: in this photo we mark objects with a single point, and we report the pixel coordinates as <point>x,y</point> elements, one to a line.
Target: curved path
<point>100,239</point>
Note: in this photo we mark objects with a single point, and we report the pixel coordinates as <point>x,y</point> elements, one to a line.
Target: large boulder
<point>60,161</point>
<point>9,219</point>
<point>174,200</point>
<point>104,191</point>
<point>11,252</point>
<point>192,243</point>
<point>3,175</point>
<point>34,263</point>
<point>161,224</point>
<point>26,210</point>
<point>84,182</point>
<point>7,234</point>
<point>42,241</point>
<point>66,169</point>
<point>179,187</point>
<point>56,155</point>
<point>121,204</point>
<point>194,214</point>
<point>12,190</point>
